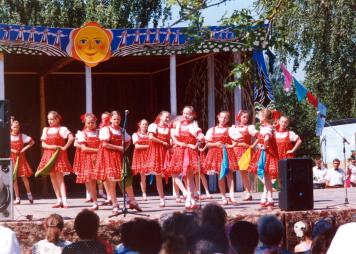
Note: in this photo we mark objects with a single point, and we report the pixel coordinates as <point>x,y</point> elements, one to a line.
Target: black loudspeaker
<point>4,129</point>
<point>296,184</point>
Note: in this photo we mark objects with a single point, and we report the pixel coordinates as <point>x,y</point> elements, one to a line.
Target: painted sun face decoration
<point>90,44</point>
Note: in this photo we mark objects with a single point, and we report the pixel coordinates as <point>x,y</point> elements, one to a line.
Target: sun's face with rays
<point>91,44</point>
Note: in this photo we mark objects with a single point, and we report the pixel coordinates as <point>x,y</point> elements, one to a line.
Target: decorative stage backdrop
<point>92,44</point>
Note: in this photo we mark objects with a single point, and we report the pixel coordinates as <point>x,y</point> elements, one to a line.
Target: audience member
<point>303,232</point>
<point>243,237</point>
<point>335,177</point>
<point>86,226</point>
<point>213,221</point>
<point>181,226</point>
<point>52,244</point>
<point>134,237</point>
<point>319,173</point>
<point>270,230</point>
<point>343,241</point>
<point>8,241</point>
<point>351,172</point>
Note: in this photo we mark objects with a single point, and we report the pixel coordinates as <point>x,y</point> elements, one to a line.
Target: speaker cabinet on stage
<point>296,184</point>
<point>6,198</point>
<point>4,129</point>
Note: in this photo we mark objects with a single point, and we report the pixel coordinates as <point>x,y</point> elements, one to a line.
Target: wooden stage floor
<point>324,199</point>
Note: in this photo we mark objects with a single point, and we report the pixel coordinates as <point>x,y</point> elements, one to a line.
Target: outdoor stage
<point>327,203</point>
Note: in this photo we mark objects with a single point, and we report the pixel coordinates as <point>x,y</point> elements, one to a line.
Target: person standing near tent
<point>55,148</point>
<point>159,135</point>
<point>185,156</point>
<point>139,157</point>
<point>109,160</point>
<point>221,158</point>
<point>242,134</point>
<point>20,143</point>
<point>264,162</point>
<point>285,139</point>
<point>87,144</point>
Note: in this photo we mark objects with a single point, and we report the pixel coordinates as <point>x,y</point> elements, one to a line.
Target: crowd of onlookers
<point>335,176</point>
<point>206,232</point>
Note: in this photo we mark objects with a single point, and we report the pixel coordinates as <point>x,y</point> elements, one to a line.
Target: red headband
<point>238,116</point>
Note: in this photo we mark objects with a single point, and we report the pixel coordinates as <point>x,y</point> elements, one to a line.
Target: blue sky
<point>214,14</point>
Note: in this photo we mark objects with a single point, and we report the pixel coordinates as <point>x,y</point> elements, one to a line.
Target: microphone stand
<point>124,209</point>
<point>344,140</point>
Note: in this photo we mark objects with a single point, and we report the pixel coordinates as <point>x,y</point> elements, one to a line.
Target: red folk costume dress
<point>55,136</point>
<point>139,158</point>
<point>109,161</point>
<point>84,162</point>
<point>213,159</point>
<point>242,134</point>
<point>285,140</point>
<point>156,155</point>
<point>17,143</point>
<point>271,166</point>
<point>184,159</point>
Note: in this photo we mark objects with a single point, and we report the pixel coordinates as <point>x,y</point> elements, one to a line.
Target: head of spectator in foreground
<point>336,163</point>
<point>53,225</point>
<point>86,224</point>
<point>243,237</point>
<point>270,230</point>
<point>214,215</point>
<point>141,235</point>
<point>184,225</point>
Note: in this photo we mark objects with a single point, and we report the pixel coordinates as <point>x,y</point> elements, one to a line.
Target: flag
<point>287,78</point>
<point>300,89</point>
<point>126,173</point>
<point>245,159</point>
<point>261,164</point>
<point>263,93</point>
<point>320,122</point>
<point>224,170</point>
<point>312,99</point>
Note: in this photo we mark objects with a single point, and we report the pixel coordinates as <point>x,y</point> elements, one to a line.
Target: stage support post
<point>2,77</point>
<point>211,108</point>
<point>237,108</point>
<point>173,83</point>
<point>88,90</point>
<point>43,120</point>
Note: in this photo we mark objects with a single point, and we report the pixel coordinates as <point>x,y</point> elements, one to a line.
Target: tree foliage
<point>319,33</point>
<point>73,13</point>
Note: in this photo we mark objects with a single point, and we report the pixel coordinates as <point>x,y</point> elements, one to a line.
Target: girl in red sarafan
<point>285,139</point>
<point>269,170</point>
<point>185,156</point>
<point>139,157</point>
<point>159,134</point>
<point>242,134</point>
<point>87,144</point>
<point>109,160</point>
<point>217,138</point>
<point>53,138</point>
<point>20,143</point>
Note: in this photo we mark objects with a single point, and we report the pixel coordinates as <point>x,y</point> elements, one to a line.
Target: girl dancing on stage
<point>185,156</point>
<point>20,143</point>
<point>218,139</point>
<point>159,142</point>
<point>109,160</point>
<point>242,134</point>
<point>285,139</point>
<point>265,161</point>
<point>139,158</point>
<point>53,138</point>
<point>87,144</point>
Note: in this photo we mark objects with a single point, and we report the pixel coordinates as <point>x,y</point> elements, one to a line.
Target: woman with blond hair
<point>53,225</point>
